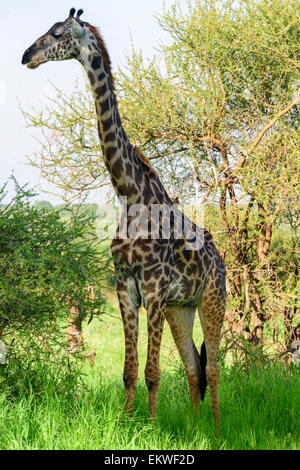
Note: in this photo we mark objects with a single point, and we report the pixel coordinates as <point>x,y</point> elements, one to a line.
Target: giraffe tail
<point>203,379</point>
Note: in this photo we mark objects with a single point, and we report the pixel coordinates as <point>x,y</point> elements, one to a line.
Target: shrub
<point>47,266</point>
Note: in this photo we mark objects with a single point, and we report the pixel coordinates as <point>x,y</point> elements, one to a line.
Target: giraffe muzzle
<point>30,57</point>
<point>27,56</point>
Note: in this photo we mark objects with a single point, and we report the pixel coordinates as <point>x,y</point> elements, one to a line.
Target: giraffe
<point>161,273</point>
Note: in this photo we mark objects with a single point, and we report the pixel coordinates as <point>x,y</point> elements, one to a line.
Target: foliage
<point>44,205</point>
<point>46,267</point>
<point>221,118</point>
<point>69,150</point>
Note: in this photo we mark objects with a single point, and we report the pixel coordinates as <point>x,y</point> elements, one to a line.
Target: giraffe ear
<point>77,29</point>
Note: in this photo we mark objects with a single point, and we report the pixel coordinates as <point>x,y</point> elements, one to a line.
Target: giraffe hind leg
<point>211,312</point>
<point>181,321</point>
<point>203,378</point>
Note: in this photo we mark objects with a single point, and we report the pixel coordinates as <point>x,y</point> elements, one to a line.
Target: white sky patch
<point>2,92</point>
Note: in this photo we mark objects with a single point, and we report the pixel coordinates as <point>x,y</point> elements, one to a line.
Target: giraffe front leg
<point>129,310</point>
<point>130,374</point>
<point>156,315</point>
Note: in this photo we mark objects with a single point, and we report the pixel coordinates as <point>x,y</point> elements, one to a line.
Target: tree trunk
<point>291,333</point>
<point>75,337</point>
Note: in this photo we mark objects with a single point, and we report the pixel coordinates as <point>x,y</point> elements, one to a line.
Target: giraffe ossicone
<point>170,280</point>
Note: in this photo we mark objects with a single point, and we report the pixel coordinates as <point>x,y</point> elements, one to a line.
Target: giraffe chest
<point>144,258</point>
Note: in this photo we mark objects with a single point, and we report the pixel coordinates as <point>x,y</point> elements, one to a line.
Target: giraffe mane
<point>145,160</point>
<point>104,51</point>
<point>107,61</point>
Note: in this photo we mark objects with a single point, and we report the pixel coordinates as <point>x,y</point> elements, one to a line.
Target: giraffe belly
<point>191,271</point>
<point>185,291</point>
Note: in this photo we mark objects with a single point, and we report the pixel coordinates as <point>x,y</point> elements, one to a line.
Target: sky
<point>120,22</point>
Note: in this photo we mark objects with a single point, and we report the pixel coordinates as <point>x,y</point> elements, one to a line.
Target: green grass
<point>260,408</point>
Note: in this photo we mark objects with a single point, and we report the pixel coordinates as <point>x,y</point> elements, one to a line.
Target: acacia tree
<point>217,111</point>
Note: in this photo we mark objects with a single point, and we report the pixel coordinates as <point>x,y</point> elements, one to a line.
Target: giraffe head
<point>63,41</point>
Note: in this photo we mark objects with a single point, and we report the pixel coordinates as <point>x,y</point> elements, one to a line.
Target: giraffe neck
<point>130,176</point>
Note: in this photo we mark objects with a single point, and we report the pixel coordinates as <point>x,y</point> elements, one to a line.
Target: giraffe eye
<point>56,35</point>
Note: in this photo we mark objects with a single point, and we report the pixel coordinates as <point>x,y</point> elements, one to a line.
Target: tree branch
<point>272,122</point>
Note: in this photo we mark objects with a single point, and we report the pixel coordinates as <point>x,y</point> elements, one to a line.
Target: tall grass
<point>260,410</point>
<point>259,406</point>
